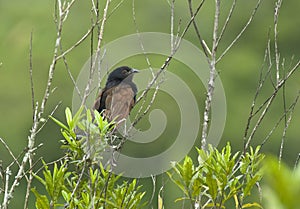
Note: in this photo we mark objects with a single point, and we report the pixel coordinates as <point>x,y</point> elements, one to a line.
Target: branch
<point>261,82</point>
<point>287,123</point>
<point>100,37</point>
<point>227,21</point>
<point>170,57</point>
<point>277,55</point>
<point>241,32</point>
<point>15,160</point>
<point>38,110</point>
<point>33,101</point>
<point>30,72</point>
<point>212,77</point>
<point>288,110</point>
<point>270,101</point>
<point>205,48</point>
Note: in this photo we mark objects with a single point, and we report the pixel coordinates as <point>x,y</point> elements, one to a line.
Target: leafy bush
<point>81,181</point>
<point>218,177</point>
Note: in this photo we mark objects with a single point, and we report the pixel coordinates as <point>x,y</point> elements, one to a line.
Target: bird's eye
<point>125,72</point>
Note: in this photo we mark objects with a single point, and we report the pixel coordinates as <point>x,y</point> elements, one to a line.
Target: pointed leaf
<point>59,123</point>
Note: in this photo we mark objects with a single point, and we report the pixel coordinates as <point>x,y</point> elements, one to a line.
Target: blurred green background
<point>239,70</point>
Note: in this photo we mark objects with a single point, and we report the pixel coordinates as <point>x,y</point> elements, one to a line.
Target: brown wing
<point>103,101</point>
<point>96,105</point>
<point>120,102</point>
<point>116,102</point>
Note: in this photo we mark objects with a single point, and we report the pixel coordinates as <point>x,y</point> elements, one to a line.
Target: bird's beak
<point>134,70</point>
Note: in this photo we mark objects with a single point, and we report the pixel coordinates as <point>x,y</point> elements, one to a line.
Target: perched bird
<point>118,97</point>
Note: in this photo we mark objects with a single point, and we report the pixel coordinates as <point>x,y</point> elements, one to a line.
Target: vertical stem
<point>172,25</point>
<point>212,76</point>
<point>34,118</point>
<point>92,70</point>
<point>277,55</point>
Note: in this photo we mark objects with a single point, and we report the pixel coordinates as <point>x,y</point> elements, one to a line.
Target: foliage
<point>282,187</point>
<point>218,177</point>
<point>80,181</point>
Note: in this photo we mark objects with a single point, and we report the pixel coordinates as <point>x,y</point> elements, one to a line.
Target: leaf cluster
<point>81,181</point>
<point>218,178</point>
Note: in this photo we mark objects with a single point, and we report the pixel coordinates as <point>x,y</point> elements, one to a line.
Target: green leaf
<point>250,205</point>
<point>42,201</point>
<point>78,115</point>
<point>250,183</point>
<point>66,195</point>
<point>177,182</point>
<point>59,123</point>
<point>212,185</point>
<point>69,118</point>
<point>187,170</point>
<point>39,179</point>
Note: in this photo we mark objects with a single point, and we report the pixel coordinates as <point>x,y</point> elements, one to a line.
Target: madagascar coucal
<point>118,97</point>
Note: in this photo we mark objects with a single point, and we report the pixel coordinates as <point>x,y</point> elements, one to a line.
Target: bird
<point>118,97</point>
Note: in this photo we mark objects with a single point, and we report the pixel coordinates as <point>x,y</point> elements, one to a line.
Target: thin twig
<point>172,24</point>
<point>47,119</point>
<point>287,123</point>
<point>277,61</point>
<point>169,58</point>
<point>288,110</point>
<point>29,182</point>
<point>296,162</point>
<point>205,48</point>
<point>277,55</point>
<point>270,101</point>
<point>54,60</point>
<point>225,26</point>
<point>69,72</point>
<point>10,152</point>
<point>261,82</point>
<point>30,71</point>
<point>140,38</point>
<point>92,69</point>
<point>153,178</point>
<point>241,32</point>
<point>140,116</point>
<point>84,160</point>
<point>33,99</point>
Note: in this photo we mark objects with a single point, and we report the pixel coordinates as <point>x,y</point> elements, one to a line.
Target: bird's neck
<point>115,82</point>
<point>112,83</point>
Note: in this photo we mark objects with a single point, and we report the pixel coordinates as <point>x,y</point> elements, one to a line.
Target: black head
<point>121,73</point>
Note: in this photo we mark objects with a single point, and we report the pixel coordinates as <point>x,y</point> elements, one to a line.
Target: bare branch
<point>277,55</point>
<point>172,25</point>
<point>169,58</point>
<point>288,110</point>
<point>38,111</point>
<point>270,101</point>
<point>30,72</point>
<point>140,39</point>
<point>287,123</point>
<point>227,21</point>
<point>69,72</point>
<point>100,37</point>
<point>241,32</point>
<point>15,160</point>
<point>205,48</point>
<point>212,77</point>
<point>33,101</point>
<point>296,162</point>
<point>261,82</point>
